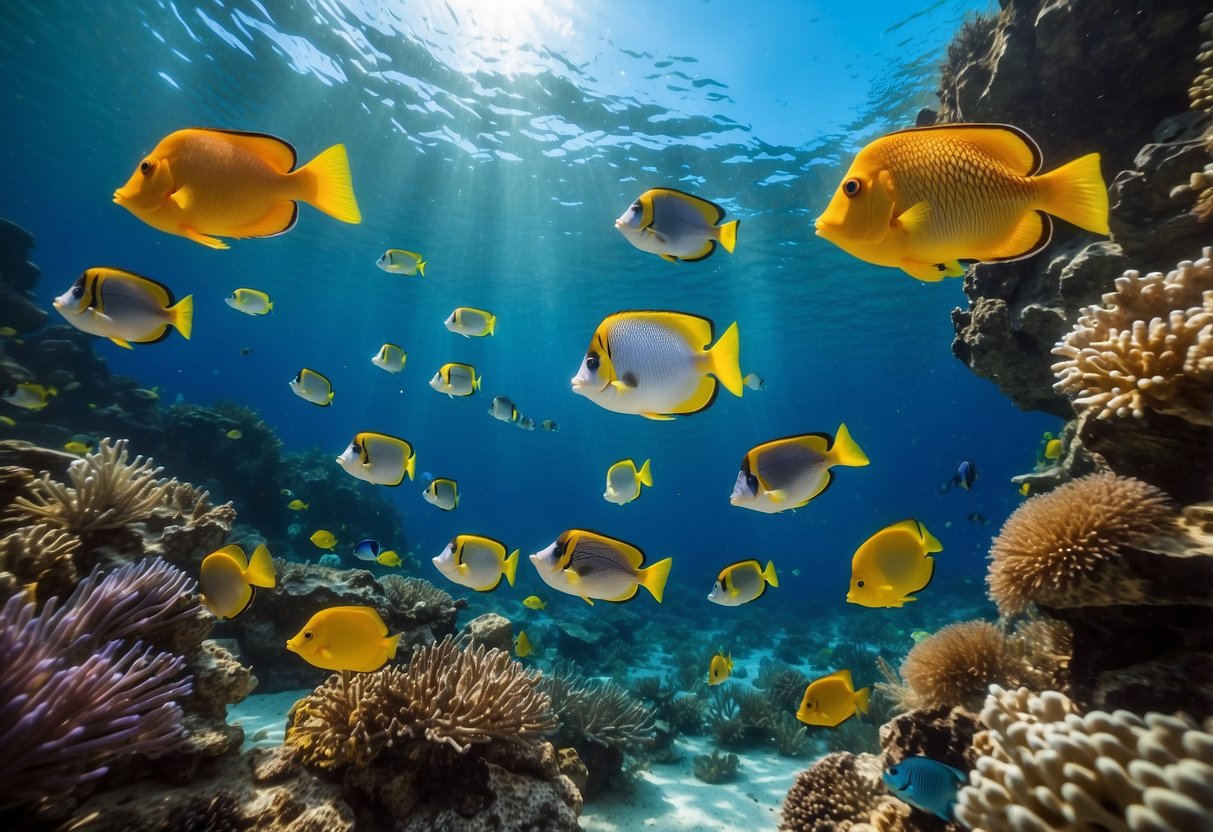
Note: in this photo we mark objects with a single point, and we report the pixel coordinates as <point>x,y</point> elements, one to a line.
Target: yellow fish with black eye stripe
<point>676,226</point>
<point>124,307</point>
<point>719,669</point>
<point>378,458</point>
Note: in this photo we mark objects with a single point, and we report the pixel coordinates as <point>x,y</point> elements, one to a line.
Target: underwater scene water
<point>1057,512</point>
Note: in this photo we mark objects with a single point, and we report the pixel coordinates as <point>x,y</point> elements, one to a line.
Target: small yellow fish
<point>311,386</point>
<point>378,458</point>
<point>226,183</point>
<point>388,558</point>
<point>234,434</point>
<point>390,357</point>
<point>471,323</point>
<point>250,302</point>
<point>719,669</point>
<point>623,481</point>
<point>442,492</point>
<point>534,602</point>
<point>477,562</point>
<point>124,307</point>
<point>7,421</point>
<point>676,225</point>
<point>456,379</point>
<point>228,581</point>
<point>832,700</point>
<point>399,261</point>
<point>297,505</point>
<point>152,395</point>
<point>7,332</point>
<point>76,447</point>
<point>522,645</point>
<point>923,199</point>
<point>742,582</point>
<point>918,635</point>
<point>787,473</point>
<point>1024,488</point>
<point>658,364</point>
<point>323,539</point>
<point>892,564</point>
<point>591,565</point>
<point>30,396</point>
<point>1053,449</point>
<point>345,638</point>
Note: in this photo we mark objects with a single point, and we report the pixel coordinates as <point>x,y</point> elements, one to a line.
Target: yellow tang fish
<point>388,558</point>
<point>832,700</point>
<point>892,564</point>
<point>923,199</point>
<point>471,323</point>
<point>250,302</point>
<point>7,332</point>
<point>345,638</point>
<point>591,565</point>
<point>719,669</point>
<point>1024,488</point>
<point>297,505</point>
<point>313,387</point>
<point>657,364</point>
<point>1053,449</point>
<point>323,539</point>
<point>124,307</point>
<point>390,357</point>
<point>442,492</point>
<point>7,421</point>
<point>742,582</point>
<point>226,183</point>
<point>786,473</point>
<point>522,645</point>
<point>676,225</point>
<point>399,261</point>
<point>28,395</point>
<point>227,581</point>
<point>623,481</point>
<point>534,602</point>
<point>456,379</point>
<point>378,458</point>
<point>76,447</point>
<point>477,562</point>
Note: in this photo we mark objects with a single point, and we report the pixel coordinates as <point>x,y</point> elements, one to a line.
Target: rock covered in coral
<point>834,794</point>
<point>491,630</point>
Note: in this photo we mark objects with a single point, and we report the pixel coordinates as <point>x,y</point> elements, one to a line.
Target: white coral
<point>1150,347</point>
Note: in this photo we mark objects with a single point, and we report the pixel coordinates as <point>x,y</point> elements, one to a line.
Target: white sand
<point>263,717</point>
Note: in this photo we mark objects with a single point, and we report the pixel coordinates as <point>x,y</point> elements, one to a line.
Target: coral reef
<point>957,664</point>
<point>1045,766</point>
<point>835,794</point>
<point>38,554</point>
<point>716,767</point>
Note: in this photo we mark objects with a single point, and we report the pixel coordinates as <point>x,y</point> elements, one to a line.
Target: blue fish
<point>367,550</point>
<point>925,784</point>
<point>964,476</point>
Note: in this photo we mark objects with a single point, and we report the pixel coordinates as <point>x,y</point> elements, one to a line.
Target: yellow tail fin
<point>260,570</point>
<point>182,316</point>
<point>511,567</point>
<point>728,235</point>
<point>1076,193</point>
<point>861,699</point>
<point>421,268</point>
<point>492,324</point>
<point>393,643</point>
<point>332,190</point>
<point>725,360</point>
<point>844,451</point>
<point>645,475</point>
<point>769,575</point>
<point>654,577</point>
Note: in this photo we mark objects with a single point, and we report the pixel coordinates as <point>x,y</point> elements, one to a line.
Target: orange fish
<point>199,183</point>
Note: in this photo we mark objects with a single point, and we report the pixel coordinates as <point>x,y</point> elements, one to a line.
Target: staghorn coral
<point>836,792</point>
<point>957,664</point>
<point>1044,766</point>
<point>1150,346</point>
<point>107,492</point>
<point>716,767</point>
<point>1055,542</point>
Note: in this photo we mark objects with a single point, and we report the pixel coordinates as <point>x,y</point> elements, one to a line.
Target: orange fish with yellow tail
<point>924,199</point>
<point>204,184</point>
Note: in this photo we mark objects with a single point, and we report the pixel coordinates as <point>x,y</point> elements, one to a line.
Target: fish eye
<point>146,167</point>
<point>893,771</point>
<point>357,448</point>
<point>636,206</point>
<point>77,291</point>
<point>308,635</point>
<point>852,187</point>
<point>859,583</point>
<point>591,362</point>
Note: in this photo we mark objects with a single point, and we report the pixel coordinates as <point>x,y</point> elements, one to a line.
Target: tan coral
<point>834,794</point>
<point>1149,347</point>
<point>107,492</point>
<point>1055,543</point>
<point>39,552</point>
<point>1048,768</point>
<point>957,664</point>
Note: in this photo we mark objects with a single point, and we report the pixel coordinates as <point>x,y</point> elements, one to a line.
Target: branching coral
<point>784,685</point>
<point>716,767</point>
<point>38,552</point>
<point>74,695</point>
<point>404,593</point>
<point>1045,767</point>
<point>956,665</point>
<point>1150,347</point>
<point>107,492</point>
<point>602,712</point>
<point>1056,541</point>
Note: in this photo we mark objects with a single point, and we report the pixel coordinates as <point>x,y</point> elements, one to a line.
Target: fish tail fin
<point>728,235</point>
<point>725,360</point>
<point>769,575</point>
<point>182,316</point>
<point>331,189</point>
<point>492,324</point>
<point>645,475</point>
<point>845,451</point>
<point>511,566</point>
<point>861,699</point>
<point>1076,192</point>
<point>421,268</point>
<point>260,570</point>
<point>410,467</point>
<point>393,643</point>
<point>654,577</point>
<point>476,383</point>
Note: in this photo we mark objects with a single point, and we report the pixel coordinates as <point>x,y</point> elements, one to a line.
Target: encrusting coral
<point>1046,768</point>
<point>1150,346</point>
<point>1055,542</point>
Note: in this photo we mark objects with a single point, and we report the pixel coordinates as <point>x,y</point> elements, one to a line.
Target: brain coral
<point>833,794</point>
<point>1150,347</point>
<point>956,665</point>
<point>1045,768</point>
<point>1055,542</point>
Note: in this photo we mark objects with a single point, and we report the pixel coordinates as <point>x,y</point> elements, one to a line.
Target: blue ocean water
<point>501,141</point>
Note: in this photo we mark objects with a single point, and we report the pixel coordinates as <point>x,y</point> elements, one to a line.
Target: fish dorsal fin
<point>710,211</point>
<point>696,329</point>
<point>368,613</point>
<point>235,553</point>
<point>162,294</point>
<point>279,153</point>
<point>845,676</point>
<point>593,543</point>
<point>1004,142</point>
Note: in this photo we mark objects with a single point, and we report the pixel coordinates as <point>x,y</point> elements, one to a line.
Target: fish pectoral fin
<point>658,417</point>
<point>124,344</point>
<point>183,197</point>
<point>777,495</point>
<point>586,598</point>
<point>326,653</point>
<point>657,235</point>
<point>209,242</point>
<point>913,219</point>
<point>622,386</point>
